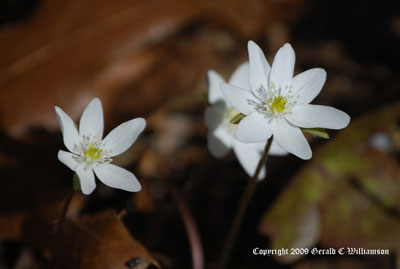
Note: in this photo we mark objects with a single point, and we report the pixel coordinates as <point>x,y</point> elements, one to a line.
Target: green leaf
<point>320,132</point>
<point>76,183</point>
<point>237,118</point>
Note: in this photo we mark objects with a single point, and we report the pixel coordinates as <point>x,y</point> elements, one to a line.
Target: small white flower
<point>278,103</point>
<point>89,152</point>
<point>221,136</point>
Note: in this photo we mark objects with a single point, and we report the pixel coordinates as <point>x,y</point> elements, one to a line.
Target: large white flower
<point>89,152</point>
<point>221,136</point>
<point>278,103</point>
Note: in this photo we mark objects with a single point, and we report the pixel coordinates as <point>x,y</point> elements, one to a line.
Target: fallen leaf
<point>99,241</point>
<point>69,52</point>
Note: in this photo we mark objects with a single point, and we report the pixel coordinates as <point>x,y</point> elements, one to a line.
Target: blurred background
<point>149,59</point>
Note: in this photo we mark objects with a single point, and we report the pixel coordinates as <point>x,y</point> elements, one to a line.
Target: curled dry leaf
<point>354,188</point>
<point>99,241</point>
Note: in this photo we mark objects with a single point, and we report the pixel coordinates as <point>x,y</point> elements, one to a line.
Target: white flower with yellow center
<point>221,136</point>
<point>278,103</point>
<point>90,153</point>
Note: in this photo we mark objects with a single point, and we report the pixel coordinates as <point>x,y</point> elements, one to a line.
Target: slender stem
<point>60,227</point>
<point>251,186</point>
<point>191,229</point>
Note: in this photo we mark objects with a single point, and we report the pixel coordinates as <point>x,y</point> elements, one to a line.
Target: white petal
<point>123,136</point>
<point>253,128</point>
<point>219,140</point>
<point>283,66</point>
<point>259,67</point>
<point>117,177</point>
<point>238,98</point>
<point>316,116</point>
<point>240,78</point>
<point>214,92</point>
<point>214,115</point>
<point>86,179</point>
<point>219,143</point>
<point>249,155</point>
<point>291,139</point>
<point>68,129</point>
<point>307,85</point>
<point>277,150</point>
<point>67,158</point>
<point>92,122</point>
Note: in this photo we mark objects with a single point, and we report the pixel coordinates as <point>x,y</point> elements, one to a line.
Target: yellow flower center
<point>278,104</point>
<point>92,153</point>
<point>270,103</point>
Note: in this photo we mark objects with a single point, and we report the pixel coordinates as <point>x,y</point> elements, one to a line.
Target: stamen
<point>273,102</point>
<point>278,104</point>
<point>91,151</point>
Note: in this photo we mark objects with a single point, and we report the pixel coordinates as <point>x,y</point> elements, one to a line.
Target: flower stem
<point>60,228</point>
<point>251,186</point>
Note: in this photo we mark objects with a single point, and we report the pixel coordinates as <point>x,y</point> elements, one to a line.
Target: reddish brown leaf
<point>99,241</point>
<point>69,52</point>
<point>67,48</point>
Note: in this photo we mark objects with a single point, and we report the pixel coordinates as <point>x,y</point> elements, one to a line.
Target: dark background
<point>149,59</point>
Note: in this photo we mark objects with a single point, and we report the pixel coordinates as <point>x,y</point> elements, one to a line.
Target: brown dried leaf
<point>59,58</point>
<point>99,241</point>
<point>70,51</point>
<point>103,241</point>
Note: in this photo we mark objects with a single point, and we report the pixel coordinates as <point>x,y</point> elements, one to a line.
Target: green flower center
<point>92,153</point>
<point>278,104</point>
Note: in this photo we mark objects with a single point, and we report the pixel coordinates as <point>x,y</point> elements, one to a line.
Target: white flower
<point>221,132</point>
<point>278,103</point>
<point>89,152</point>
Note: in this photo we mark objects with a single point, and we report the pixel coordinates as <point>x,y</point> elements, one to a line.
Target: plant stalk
<point>251,186</point>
